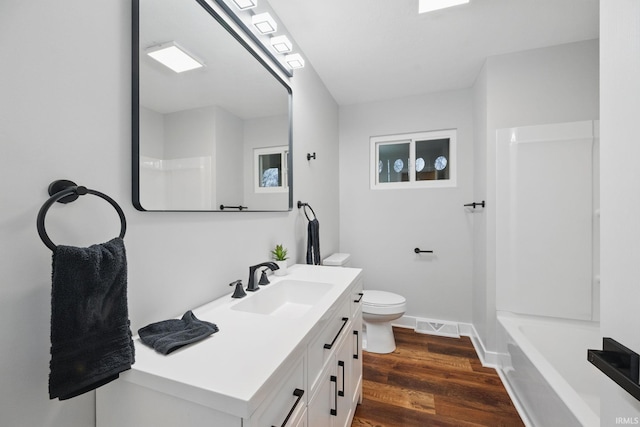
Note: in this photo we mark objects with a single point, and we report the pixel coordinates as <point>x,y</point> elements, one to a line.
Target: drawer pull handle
<point>357,355</point>
<point>298,393</point>
<point>330,346</point>
<point>341,364</point>
<point>359,299</point>
<point>334,380</point>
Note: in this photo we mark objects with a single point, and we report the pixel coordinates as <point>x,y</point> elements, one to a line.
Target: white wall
<point>65,113</point>
<point>190,133</point>
<point>483,300</point>
<point>191,149</point>
<point>551,85</point>
<point>229,174</point>
<point>315,129</point>
<point>620,193</point>
<point>380,228</point>
<point>261,133</point>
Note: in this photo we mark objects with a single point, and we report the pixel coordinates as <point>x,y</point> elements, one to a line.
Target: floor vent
<point>436,327</point>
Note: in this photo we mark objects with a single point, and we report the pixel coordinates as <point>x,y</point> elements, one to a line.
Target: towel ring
<point>305,206</point>
<point>65,191</point>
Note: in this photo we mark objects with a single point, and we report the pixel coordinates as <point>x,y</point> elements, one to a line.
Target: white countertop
<point>230,370</point>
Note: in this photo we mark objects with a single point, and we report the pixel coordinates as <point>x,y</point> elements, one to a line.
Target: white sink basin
<point>288,298</point>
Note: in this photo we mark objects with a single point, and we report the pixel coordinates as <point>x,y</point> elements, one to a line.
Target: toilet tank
<point>338,260</point>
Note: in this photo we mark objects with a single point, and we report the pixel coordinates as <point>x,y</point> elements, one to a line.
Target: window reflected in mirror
<point>271,169</point>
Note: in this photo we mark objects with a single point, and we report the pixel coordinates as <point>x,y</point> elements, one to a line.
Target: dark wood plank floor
<point>432,381</point>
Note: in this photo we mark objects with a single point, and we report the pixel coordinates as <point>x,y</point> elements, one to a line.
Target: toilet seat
<point>381,302</point>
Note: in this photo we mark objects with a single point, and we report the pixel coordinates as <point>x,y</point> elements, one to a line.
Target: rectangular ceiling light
<point>281,44</point>
<point>431,5</point>
<point>294,60</point>
<point>173,56</point>
<point>246,4</point>
<point>264,23</point>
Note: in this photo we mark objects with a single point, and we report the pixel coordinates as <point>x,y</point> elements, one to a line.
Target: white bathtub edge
<point>577,406</point>
<point>514,399</point>
<point>467,329</point>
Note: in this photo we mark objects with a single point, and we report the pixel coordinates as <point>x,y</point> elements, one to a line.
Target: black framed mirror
<point>216,137</point>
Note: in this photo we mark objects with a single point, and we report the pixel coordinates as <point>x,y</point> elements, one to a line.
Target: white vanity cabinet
<point>259,370</point>
<point>338,387</point>
<point>356,337</point>
<point>287,403</point>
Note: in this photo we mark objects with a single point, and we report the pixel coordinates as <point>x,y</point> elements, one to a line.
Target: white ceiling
<point>231,78</point>
<point>368,50</point>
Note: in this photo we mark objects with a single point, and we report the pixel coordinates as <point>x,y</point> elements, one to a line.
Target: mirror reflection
<point>213,131</point>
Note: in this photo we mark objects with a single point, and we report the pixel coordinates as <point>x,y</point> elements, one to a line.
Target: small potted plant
<point>279,254</point>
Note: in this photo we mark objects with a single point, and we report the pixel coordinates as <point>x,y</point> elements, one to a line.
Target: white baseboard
<point>488,359</point>
<point>405,322</point>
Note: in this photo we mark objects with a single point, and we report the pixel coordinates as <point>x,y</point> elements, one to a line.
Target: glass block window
<point>393,162</point>
<point>416,160</point>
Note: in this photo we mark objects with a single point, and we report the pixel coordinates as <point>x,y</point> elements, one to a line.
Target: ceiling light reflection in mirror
<point>174,57</point>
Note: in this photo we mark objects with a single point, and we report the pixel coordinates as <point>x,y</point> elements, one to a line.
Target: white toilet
<point>379,309</point>
<point>338,260</point>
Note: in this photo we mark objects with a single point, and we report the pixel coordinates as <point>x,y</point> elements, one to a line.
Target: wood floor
<point>432,381</point>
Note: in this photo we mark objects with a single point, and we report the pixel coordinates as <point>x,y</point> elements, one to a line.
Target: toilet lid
<point>381,298</point>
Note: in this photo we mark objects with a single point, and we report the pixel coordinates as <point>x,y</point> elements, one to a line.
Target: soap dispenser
<point>239,291</point>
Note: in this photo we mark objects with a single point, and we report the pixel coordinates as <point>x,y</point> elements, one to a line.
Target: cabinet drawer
<point>324,345</point>
<point>356,293</point>
<point>288,402</point>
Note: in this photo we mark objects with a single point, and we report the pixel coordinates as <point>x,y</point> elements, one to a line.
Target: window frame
<point>283,150</point>
<point>411,139</point>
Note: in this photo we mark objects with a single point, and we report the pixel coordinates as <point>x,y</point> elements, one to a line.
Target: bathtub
<point>543,362</point>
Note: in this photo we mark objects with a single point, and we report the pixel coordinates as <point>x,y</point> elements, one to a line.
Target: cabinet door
<point>356,297</point>
<point>322,407</point>
<point>302,422</point>
<point>323,346</point>
<point>124,404</point>
<point>356,363</point>
<point>343,365</point>
<point>286,402</point>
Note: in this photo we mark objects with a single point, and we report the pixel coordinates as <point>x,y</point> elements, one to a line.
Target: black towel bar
<point>240,207</point>
<point>619,363</point>
<point>474,204</point>
<point>420,251</point>
<point>65,191</point>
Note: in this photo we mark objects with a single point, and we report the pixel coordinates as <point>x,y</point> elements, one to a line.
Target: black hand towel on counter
<point>169,335</point>
<point>91,341</point>
<point>313,242</point>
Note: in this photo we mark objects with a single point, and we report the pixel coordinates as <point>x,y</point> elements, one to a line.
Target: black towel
<point>313,242</point>
<point>169,335</point>
<point>90,336</point>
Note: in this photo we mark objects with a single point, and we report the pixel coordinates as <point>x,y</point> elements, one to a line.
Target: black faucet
<point>252,286</point>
